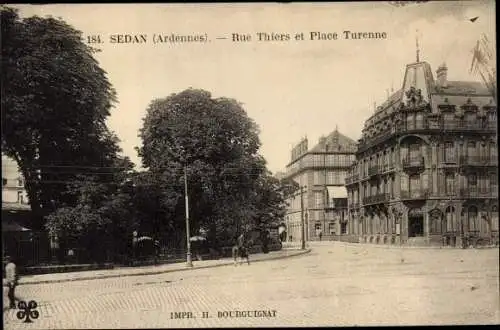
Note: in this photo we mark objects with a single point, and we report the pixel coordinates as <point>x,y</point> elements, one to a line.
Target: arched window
<point>436,226</point>
<point>415,152</point>
<point>450,219</point>
<point>473,224</point>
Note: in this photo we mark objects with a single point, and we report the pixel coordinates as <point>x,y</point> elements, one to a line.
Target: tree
<point>216,144</point>
<point>55,101</point>
<point>484,64</point>
<point>101,217</point>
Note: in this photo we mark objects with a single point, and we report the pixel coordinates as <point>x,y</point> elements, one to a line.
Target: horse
<point>241,252</point>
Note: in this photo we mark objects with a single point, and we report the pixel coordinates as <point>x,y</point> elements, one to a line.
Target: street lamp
<point>302,218</point>
<point>188,256</point>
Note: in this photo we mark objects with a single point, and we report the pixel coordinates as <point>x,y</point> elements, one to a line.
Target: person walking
<point>12,279</point>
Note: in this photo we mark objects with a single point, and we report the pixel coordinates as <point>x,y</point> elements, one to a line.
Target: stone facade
<point>320,172</point>
<point>426,170</point>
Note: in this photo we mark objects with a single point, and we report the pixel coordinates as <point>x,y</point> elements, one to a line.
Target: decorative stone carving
<point>414,97</point>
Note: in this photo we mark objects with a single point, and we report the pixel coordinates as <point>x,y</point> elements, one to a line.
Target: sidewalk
<point>397,246</point>
<point>151,270</point>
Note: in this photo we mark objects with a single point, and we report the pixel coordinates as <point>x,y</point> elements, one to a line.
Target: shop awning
<point>336,192</point>
<point>11,226</point>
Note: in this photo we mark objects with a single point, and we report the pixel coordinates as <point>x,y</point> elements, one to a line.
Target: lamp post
<point>188,256</point>
<point>303,247</point>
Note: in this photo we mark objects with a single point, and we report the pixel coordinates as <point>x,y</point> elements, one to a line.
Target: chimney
<point>442,76</point>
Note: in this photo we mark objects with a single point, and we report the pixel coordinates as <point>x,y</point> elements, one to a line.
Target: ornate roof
<point>336,142</point>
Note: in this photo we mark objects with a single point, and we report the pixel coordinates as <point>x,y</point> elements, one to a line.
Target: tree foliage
<point>217,144</point>
<point>55,101</point>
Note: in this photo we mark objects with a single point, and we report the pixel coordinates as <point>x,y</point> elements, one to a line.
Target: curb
<point>403,247</point>
<point>228,263</point>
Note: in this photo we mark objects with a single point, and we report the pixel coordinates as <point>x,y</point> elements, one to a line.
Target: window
<point>472,182</point>
<point>317,160</point>
<point>450,184</point>
<point>415,153</point>
<point>484,184</point>
<point>494,218</point>
<point>343,228</point>
<point>330,179</point>
<point>318,199</point>
<point>471,149</point>
<point>470,119</point>
<point>493,151</point>
<point>403,152</point>
<point>415,185</point>
<point>409,121</point>
<point>449,153</point>
<point>419,121</point>
<point>4,181</point>
<point>493,184</point>
<point>317,178</point>
<point>483,150</point>
<point>449,121</point>
<point>435,219</point>
<point>404,183</point>
<point>473,219</point>
<point>20,197</point>
<point>451,220</point>
<point>331,227</point>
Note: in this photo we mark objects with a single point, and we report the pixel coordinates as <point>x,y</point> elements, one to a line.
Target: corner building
<point>426,169</point>
<point>320,172</point>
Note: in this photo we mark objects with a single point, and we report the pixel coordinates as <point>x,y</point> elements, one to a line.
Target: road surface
<point>334,285</point>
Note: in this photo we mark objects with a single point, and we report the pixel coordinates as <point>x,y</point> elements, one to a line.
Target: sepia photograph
<point>239,165</point>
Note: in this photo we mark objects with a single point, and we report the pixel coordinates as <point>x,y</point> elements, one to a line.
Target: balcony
<point>413,163</point>
<point>474,192</point>
<point>376,199</point>
<point>414,195</point>
<point>373,170</point>
<point>352,179</point>
<point>462,125</point>
<point>387,168</point>
<point>478,161</point>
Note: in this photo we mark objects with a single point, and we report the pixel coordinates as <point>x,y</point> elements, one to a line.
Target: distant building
<point>14,196</point>
<point>16,212</point>
<point>280,175</point>
<point>320,172</point>
<point>426,169</point>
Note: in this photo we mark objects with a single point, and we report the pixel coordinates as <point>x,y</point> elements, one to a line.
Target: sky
<point>291,89</point>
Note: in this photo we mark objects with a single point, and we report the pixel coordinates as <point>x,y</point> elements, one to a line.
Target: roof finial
<point>418,50</point>
<point>336,128</point>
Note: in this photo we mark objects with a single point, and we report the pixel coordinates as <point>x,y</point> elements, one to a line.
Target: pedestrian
<point>12,280</point>
<point>320,235</point>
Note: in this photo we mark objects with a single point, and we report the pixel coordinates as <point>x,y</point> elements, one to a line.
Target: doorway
<point>416,226</point>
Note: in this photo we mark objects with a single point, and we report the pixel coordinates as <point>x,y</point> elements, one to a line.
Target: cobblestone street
<point>335,285</point>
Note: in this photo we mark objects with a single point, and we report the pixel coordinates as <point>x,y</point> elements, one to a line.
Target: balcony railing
<point>414,195</point>
<point>478,161</point>
<point>387,167</point>
<point>351,179</point>
<point>448,125</point>
<point>413,162</point>
<point>474,192</point>
<point>373,170</point>
<point>376,199</point>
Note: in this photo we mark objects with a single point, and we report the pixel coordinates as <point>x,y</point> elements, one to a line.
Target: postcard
<point>249,165</point>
